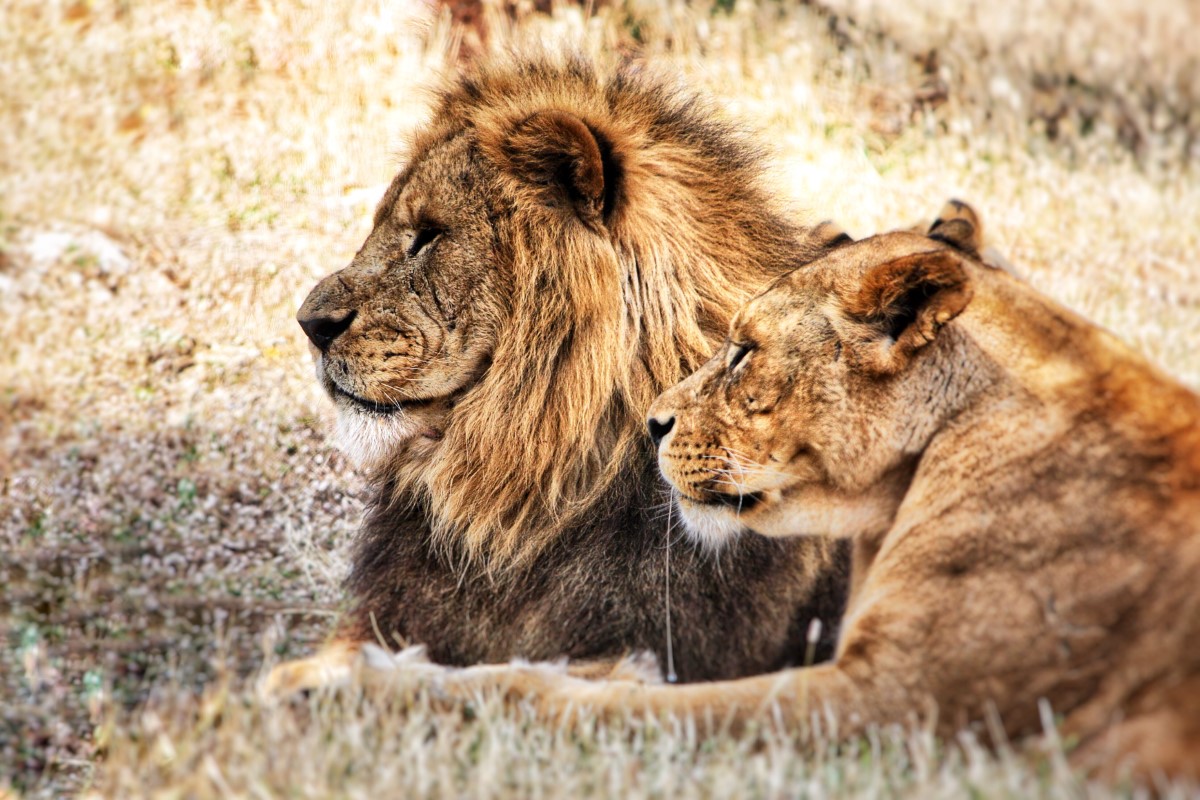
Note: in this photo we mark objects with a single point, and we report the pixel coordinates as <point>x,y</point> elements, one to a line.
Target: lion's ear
<point>563,158</point>
<point>906,302</point>
<point>829,235</point>
<point>959,225</point>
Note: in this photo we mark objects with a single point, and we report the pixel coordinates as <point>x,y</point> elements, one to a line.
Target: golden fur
<point>1023,493</point>
<point>565,243</point>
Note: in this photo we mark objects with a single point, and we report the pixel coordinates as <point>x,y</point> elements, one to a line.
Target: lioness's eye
<point>423,238</point>
<point>737,354</point>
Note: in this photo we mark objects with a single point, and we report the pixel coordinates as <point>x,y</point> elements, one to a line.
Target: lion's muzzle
<point>326,313</point>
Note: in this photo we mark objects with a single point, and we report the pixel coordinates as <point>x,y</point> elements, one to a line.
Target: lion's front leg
<point>823,697</point>
<point>396,673</point>
<point>637,667</point>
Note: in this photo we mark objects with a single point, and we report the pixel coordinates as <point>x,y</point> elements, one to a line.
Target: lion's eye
<point>737,354</point>
<point>422,239</point>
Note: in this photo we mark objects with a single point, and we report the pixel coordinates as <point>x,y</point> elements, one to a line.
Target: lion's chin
<point>372,441</point>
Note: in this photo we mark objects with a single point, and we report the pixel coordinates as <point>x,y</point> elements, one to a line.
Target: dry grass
<point>173,178</point>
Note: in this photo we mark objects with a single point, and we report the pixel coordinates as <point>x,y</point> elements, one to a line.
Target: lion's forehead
<point>443,180</point>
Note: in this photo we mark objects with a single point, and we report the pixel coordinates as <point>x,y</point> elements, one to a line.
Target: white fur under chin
<point>711,528</point>
<point>369,440</point>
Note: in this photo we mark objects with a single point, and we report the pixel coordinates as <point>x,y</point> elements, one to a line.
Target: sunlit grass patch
<point>344,744</point>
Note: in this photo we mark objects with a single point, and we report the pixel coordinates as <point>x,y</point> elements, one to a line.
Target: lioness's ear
<point>906,302</point>
<point>958,224</point>
<point>559,154</point>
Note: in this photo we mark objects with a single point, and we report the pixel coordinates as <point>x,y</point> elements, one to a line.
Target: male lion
<point>1023,494</point>
<point>564,244</point>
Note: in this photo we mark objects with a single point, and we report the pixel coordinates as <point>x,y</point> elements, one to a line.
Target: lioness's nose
<point>659,426</point>
<point>322,329</point>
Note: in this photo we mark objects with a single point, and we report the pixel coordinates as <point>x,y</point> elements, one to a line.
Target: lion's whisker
<point>670,676</point>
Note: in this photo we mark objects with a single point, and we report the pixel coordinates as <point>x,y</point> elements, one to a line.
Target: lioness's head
<point>807,419</point>
<point>563,244</point>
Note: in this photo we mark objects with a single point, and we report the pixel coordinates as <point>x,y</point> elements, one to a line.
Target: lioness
<point>565,242</point>
<point>1022,490</point>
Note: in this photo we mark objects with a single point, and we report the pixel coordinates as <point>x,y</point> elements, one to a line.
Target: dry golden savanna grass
<point>175,176</point>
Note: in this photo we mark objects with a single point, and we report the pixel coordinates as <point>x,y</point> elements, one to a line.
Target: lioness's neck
<point>1024,371</point>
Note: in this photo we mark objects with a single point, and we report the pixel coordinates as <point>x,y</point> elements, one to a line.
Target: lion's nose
<point>659,427</point>
<point>322,329</point>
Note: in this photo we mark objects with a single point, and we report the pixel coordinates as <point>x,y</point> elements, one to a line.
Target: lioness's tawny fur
<point>1023,493</point>
<point>566,242</point>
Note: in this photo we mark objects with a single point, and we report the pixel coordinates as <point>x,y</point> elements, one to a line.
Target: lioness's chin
<point>714,524</point>
<point>710,525</point>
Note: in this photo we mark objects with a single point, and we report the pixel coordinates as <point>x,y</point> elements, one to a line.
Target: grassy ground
<point>174,177</point>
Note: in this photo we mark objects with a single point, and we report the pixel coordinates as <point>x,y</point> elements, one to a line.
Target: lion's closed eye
<point>737,355</point>
<point>422,238</point>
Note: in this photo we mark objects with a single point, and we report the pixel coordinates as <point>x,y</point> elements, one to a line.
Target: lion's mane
<point>604,317</point>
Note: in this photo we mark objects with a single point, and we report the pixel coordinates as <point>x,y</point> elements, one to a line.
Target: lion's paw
<point>641,667</point>
<point>330,668</point>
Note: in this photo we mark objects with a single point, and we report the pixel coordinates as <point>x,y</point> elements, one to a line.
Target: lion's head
<point>807,419</point>
<point>563,244</point>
